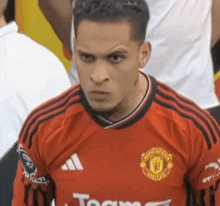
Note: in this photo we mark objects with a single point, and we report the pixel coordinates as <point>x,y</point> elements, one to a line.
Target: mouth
<point>99,96</point>
<point>99,92</point>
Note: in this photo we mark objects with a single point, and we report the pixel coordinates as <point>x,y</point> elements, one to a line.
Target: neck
<point>2,22</point>
<point>132,100</point>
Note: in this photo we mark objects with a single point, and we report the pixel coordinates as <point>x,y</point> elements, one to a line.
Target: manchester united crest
<point>156,163</point>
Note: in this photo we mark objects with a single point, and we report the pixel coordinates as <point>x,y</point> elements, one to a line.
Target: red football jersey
<point>71,154</point>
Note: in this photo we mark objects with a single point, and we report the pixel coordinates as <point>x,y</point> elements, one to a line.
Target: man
<point>185,25</point>
<point>30,74</point>
<point>120,137</point>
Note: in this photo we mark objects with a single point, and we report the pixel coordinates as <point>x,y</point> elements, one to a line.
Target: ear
<point>145,52</point>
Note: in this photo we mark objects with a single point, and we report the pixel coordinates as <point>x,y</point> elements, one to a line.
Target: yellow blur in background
<point>217,84</point>
<point>217,76</point>
<point>32,23</point>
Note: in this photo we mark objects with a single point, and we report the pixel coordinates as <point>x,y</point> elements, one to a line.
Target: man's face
<point>107,61</point>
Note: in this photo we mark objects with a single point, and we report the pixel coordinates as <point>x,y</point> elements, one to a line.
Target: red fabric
<point>142,164</point>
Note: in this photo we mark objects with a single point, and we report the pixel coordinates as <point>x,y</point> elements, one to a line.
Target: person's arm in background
<point>59,15</point>
<point>215,22</point>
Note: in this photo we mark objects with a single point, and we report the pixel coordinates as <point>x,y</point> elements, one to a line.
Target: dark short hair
<point>9,13</point>
<point>135,12</point>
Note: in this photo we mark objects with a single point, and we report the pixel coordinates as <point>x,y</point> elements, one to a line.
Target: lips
<point>99,92</point>
<point>99,96</point>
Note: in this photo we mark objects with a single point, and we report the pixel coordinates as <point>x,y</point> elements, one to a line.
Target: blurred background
<point>31,22</point>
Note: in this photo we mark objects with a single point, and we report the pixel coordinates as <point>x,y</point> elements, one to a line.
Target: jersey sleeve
<point>33,185</point>
<point>205,158</point>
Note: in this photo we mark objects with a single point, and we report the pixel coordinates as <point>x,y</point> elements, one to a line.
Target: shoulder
<point>29,68</point>
<point>186,115</point>
<point>27,81</point>
<point>21,52</point>
<point>21,47</point>
<point>49,117</point>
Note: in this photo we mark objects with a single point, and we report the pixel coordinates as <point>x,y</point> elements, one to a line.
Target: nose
<point>100,72</point>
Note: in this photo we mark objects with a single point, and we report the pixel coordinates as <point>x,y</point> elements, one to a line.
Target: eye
<point>116,58</point>
<point>87,57</point>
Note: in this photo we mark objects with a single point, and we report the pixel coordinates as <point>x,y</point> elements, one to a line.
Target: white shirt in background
<point>29,75</point>
<point>180,35</point>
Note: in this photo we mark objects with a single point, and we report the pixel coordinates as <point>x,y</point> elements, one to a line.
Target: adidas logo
<point>72,164</point>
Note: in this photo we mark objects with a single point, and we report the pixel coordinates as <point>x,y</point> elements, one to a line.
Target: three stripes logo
<point>72,164</point>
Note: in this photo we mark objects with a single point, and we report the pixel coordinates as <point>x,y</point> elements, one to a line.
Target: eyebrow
<point>111,53</point>
<point>118,51</point>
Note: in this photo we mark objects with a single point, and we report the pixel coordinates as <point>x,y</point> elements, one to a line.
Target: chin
<point>101,107</point>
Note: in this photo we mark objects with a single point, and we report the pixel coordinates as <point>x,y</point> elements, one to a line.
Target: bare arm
<point>59,15</point>
<point>215,22</point>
